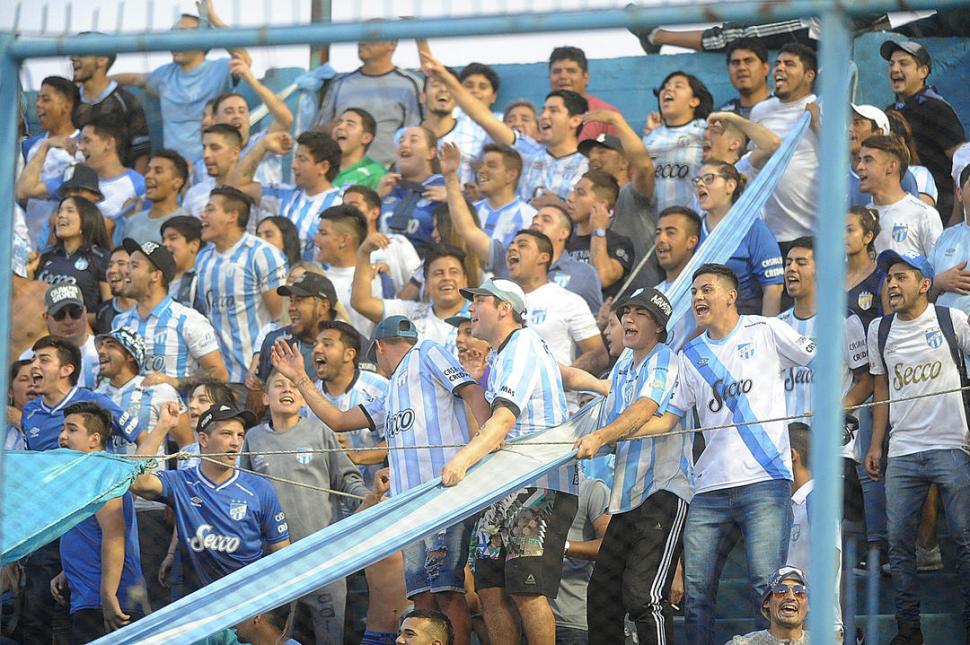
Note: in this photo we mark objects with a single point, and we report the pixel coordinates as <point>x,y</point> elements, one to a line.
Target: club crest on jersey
<point>934,338</point>
<point>900,232</point>
<point>746,350</point>
<point>304,456</point>
<point>81,264</point>
<point>237,510</point>
<point>865,300</point>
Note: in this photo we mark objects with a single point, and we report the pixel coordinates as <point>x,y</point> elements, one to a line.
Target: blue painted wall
<point>628,82</point>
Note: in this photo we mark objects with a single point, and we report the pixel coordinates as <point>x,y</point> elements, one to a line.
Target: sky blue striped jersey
<point>175,336</point>
<point>421,408</point>
<point>505,221</point>
<point>646,466</point>
<point>525,376</point>
<point>738,379</point>
<point>366,387</point>
<point>231,287</point>
<point>540,169</point>
<point>143,403</point>
<point>303,210</point>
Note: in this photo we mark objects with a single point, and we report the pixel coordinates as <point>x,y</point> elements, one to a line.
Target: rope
<point>209,457</point>
<point>723,426</point>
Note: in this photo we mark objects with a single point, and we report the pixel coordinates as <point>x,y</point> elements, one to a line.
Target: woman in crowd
<point>757,261</point>
<point>18,395</point>
<point>412,192</point>
<point>80,252</point>
<point>280,232</point>
<point>863,280</point>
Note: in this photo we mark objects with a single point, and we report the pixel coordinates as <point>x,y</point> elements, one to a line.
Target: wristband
<point>566,549</point>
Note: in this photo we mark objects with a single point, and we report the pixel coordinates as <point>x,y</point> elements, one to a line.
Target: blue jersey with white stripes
<point>223,526</point>
<point>421,408</point>
<point>175,337</point>
<point>504,222</point>
<point>231,287</point>
<point>42,425</point>
<point>738,379</point>
<point>303,210</point>
<point>646,466</point>
<point>366,387</point>
<point>524,376</point>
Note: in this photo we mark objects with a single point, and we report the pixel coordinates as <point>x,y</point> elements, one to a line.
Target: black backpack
<point>946,328</point>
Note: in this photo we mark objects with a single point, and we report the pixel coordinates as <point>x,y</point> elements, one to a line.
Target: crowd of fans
<point>444,271</point>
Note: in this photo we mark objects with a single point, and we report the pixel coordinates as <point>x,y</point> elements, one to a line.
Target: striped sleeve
<point>657,383</point>
<point>443,367</point>
<point>683,396</point>
<point>516,376</point>
<point>270,266</point>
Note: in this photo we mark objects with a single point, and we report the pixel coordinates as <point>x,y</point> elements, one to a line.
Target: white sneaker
<point>928,559</point>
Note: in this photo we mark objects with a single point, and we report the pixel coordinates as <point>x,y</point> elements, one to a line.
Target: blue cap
<point>391,327</point>
<point>889,257</point>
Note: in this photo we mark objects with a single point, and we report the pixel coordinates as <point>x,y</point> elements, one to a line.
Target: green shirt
<point>365,172</point>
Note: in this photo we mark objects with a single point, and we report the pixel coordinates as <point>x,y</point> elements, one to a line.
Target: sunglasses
<point>781,589</point>
<point>73,311</point>
<point>707,178</point>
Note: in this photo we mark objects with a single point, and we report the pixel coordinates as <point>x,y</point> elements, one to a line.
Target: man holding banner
<point>521,539</point>
<point>732,374</point>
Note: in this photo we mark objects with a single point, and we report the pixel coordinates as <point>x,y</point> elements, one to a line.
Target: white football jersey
<point>738,379</point>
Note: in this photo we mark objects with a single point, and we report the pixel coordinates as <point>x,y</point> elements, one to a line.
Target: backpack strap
<point>945,321</point>
<point>884,324</point>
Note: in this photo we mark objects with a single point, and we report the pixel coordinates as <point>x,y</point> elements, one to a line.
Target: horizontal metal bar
<point>317,33</point>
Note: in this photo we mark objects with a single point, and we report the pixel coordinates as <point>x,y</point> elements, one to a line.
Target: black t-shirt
<point>123,104</point>
<point>105,317</point>
<point>619,247</point>
<point>85,269</point>
<point>936,129</point>
<point>864,298</point>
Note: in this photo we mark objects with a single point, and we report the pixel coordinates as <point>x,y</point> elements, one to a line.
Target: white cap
<point>873,113</point>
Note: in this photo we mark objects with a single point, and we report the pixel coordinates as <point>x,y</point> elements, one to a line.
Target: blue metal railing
<point>832,206</point>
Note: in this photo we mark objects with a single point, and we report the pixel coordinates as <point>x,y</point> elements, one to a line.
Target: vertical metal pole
<point>830,260</point>
<point>320,11</point>
<point>9,87</point>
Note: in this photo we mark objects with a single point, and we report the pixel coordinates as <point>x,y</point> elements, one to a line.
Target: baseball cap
<point>462,316</point>
<point>873,113</point>
<point>911,47</point>
<point>889,257</point>
<point>653,301</point>
<point>59,296</point>
<point>391,327</point>
<point>80,176</point>
<point>224,412</point>
<point>133,343</point>
<point>156,253</point>
<point>780,575</point>
<point>604,140</point>
<point>310,284</point>
<point>504,290</point>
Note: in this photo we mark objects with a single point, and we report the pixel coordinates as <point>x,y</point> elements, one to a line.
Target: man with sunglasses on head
<point>785,605</point>
<point>67,317</point>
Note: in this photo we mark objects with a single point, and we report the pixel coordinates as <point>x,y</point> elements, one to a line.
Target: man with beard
<point>100,95</point>
<point>312,301</point>
<point>785,605</point>
<point>115,275</point>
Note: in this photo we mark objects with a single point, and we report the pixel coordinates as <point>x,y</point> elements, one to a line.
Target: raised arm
<point>609,269</point>
<point>215,20</point>
<point>461,218</point>
<point>289,363</point>
<point>131,79</point>
<point>241,174</point>
<point>642,176</point>
<point>765,141</point>
<point>282,116</point>
<point>29,184</point>
<point>471,106</point>
<point>148,485</point>
<point>361,294</point>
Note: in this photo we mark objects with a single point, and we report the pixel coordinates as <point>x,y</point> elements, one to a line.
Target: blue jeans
<point>571,636</point>
<point>873,490</point>
<point>908,479</point>
<point>437,562</point>
<point>760,512</point>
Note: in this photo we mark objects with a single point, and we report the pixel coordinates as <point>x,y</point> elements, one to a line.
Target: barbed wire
<point>724,426</point>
